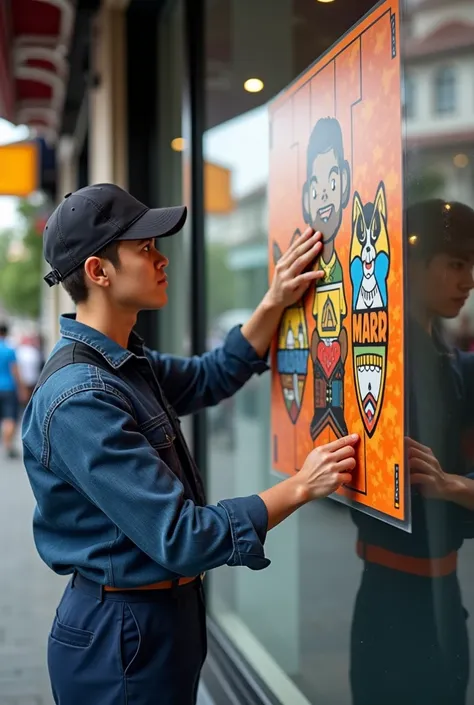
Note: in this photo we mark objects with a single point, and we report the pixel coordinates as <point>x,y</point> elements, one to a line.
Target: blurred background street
<point>29,594</point>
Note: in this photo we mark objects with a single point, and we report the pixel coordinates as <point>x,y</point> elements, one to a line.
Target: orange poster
<point>338,359</point>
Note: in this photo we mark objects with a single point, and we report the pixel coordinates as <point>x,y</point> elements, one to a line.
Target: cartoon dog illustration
<point>370,254</point>
<point>370,263</point>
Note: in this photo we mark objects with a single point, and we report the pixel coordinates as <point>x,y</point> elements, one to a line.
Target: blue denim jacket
<point>119,498</point>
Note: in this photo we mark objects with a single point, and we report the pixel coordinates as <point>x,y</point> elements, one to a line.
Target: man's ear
<point>345,183</point>
<point>306,213</point>
<point>94,270</point>
<point>381,201</point>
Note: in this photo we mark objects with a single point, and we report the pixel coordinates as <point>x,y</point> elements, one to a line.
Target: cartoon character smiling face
<point>326,191</point>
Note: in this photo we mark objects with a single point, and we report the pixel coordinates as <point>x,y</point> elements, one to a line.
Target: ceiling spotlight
<point>253,85</point>
<point>178,144</point>
<point>325,0</point>
<point>461,161</point>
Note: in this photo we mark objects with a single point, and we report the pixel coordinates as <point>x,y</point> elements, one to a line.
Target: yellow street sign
<point>19,169</point>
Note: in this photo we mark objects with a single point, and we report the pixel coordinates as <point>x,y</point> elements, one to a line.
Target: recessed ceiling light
<point>325,0</point>
<point>253,85</point>
<point>178,144</point>
<point>461,161</point>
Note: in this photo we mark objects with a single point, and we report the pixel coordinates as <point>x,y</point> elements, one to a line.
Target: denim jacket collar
<point>113,353</point>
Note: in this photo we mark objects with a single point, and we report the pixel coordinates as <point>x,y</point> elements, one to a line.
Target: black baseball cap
<point>435,226</point>
<point>93,217</point>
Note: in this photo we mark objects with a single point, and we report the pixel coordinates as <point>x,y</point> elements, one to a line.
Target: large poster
<point>338,360</point>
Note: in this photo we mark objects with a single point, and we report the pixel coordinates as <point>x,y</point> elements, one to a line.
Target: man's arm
<point>194,383</point>
<point>191,384</point>
<point>119,472</point>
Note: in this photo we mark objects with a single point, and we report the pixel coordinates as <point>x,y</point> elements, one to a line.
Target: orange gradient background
<point>358,82</point>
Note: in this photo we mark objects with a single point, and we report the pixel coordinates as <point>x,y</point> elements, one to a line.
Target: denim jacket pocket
<point>159,432</point>
<point>70,636</point>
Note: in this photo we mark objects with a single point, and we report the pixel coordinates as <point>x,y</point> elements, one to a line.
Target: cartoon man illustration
<point>325,195</point>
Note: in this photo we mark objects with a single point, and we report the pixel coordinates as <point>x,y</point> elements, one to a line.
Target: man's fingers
<point>344,478</point>
<point>420,479</point>
<point>301,246</point>
<point>350,440</point>
<point>305,259</point>
<point>342,453</point>
<point>307,278</point>
<point>414,445</point>
<point>424,455</point>
<point>300,243</point>
<point>346,465</point>
<point>421,465</point>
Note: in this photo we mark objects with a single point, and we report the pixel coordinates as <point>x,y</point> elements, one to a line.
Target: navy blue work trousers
<point>128,647</point>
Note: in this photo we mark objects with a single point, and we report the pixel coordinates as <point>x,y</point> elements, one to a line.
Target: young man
<point>409,637</point>
<point>120,503</point>
<point>10,388</point>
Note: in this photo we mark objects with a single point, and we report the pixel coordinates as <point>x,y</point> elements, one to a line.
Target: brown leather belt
<point>164,585</point>
<point>424,567</point>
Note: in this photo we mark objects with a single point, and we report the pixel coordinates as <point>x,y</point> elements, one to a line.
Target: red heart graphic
<point>329,356</point>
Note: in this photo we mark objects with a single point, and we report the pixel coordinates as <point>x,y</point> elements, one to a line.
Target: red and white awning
<point>34,44</point>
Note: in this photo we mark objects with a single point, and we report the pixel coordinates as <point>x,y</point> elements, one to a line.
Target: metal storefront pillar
<point>108,153</point>
<point>194,125</point>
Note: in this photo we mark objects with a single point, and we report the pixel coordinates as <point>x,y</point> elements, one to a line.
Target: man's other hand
<point>292,276</point>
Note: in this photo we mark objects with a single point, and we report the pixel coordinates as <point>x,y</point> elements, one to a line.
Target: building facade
<point>150,94</point>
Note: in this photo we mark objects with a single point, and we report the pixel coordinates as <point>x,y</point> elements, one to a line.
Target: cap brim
<point>156,222</point>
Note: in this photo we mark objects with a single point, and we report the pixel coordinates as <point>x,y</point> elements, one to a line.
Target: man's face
<point>325,194</point>
<point>444,284</point>
<point>140,282</point>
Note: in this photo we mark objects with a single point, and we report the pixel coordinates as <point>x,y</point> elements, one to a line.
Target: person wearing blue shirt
<point>120,501</point>
<point>9,384</point>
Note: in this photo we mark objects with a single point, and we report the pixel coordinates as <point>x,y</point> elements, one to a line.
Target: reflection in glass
<point>351,610</point>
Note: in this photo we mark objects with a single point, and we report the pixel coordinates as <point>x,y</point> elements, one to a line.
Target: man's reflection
<point>409,642</point>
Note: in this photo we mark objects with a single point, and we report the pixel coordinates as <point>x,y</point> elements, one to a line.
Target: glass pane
<point>336,618</point>
<point>174,318</point>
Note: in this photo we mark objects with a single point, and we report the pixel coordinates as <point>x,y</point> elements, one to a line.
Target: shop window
<point>319,625</point>
<point>445,91</point>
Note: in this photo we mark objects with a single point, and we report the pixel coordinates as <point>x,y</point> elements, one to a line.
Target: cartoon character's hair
<point>435,226</point>
<point>326,135</point>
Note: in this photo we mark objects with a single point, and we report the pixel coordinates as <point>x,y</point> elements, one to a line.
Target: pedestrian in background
<point>10,385</point>
<point>29,362</point>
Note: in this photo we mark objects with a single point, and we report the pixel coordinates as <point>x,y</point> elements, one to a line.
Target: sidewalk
<point>29,593</point>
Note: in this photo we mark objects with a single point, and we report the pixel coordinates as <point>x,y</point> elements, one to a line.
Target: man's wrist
<point>300,490</point>
<point>455,488</point>
<point>270,305</point>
